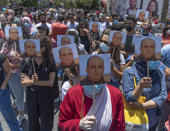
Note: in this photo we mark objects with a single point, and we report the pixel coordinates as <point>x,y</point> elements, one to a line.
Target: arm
<point>49,82</point>
<point>7,70</point>
<point>156,101</point>
<point>66,116</point>
<point>25,80</point>
<point>149,105</point>
<point>118,73</point>
<point>120,120</point>
<point>167,72</point>
<point>163,92</point>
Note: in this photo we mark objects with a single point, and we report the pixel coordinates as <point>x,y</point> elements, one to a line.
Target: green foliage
<point>81,4</point>
<point>69,4</point>
<point>87,4</point>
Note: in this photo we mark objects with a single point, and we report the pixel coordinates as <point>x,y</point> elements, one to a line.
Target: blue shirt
<point>165,52</point>
<point>72,26</point>
<point>157,92</point>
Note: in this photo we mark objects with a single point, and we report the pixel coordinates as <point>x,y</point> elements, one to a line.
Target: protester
<point>38,77</point>
<point>150,83</point>
<point>90,30</point>
<point>130,27</point>
<point>11,49</point>
<point>118,60</point>
<point>82,115</point>
<point>5,101</point>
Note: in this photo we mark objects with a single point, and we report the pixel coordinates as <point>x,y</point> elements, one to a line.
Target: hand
<point>167,71</point>
<point>132,58</point>
<point>112,63</point>
<point>35,78</point>
<point>24,77</point>
<point>87,31</point>
<point>88,123</point>
<point>93,44</point>
<point>135,105</point>
<point>146,82</point>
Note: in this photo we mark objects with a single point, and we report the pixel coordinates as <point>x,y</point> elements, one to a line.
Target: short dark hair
<point>92,58</point>
<point>60,18</point>
<point>13,28</point>
<point>132,17</point>
<point>145,39</point>
<point>29,42</point>
<point>64,47</point>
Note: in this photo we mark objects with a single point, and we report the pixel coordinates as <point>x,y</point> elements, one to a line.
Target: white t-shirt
<point>122,62</point>
<point>102,27</point>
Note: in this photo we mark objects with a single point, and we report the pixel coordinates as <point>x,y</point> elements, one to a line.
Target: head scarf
<point>30,22</point>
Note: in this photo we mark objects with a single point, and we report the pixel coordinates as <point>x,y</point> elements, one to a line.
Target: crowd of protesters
<point>38,76</point>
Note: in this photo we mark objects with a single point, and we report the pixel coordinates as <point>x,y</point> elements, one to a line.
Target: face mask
<point>89,89</point>
<point>115,21</point>
<point>104,47</point>
<point>27,25</point>
<point>153,65</point>
<point>129,28</point>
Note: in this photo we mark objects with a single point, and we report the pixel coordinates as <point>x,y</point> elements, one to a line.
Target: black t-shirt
<point>2,59</point>
<point>128,44</point>
<point>85,41</point>
<point>42,72</point>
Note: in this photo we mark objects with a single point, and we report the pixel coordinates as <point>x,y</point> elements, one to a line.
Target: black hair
<point>132,17</point>
<point>92,57</point>
<point>60,18</point>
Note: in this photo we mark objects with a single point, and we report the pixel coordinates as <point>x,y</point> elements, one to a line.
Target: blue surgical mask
<point>153,65</point>
<point>115,21</point>
<point>90,89</point>
<point>27,25</point>
<point>104,47</point>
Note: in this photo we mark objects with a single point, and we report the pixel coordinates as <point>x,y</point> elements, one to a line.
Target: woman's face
<point>105,38</point>
<point>152,7</point>
<point>82,32</point>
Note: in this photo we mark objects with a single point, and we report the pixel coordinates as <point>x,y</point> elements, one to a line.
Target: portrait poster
<point>139,41</point>
<point>16,34</point>
<point>84,60</point>
<point>126,8</point>
<point>114,34</point>
<point>64,40</point>
<point>91,24</point>
<point>66,55</point>
<point>153,5</point>
<point>144,13</point>
<point>35,41</point>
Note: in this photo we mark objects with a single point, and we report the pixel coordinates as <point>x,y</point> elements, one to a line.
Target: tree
<point>69,4</point>
<point>87,4</point>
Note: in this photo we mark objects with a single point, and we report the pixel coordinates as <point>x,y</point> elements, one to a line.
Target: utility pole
<point>164,10</point>
<point>141,4</point>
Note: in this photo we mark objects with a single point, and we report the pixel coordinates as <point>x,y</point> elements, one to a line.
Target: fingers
<point>91,118</point>
<point>146,82</point>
